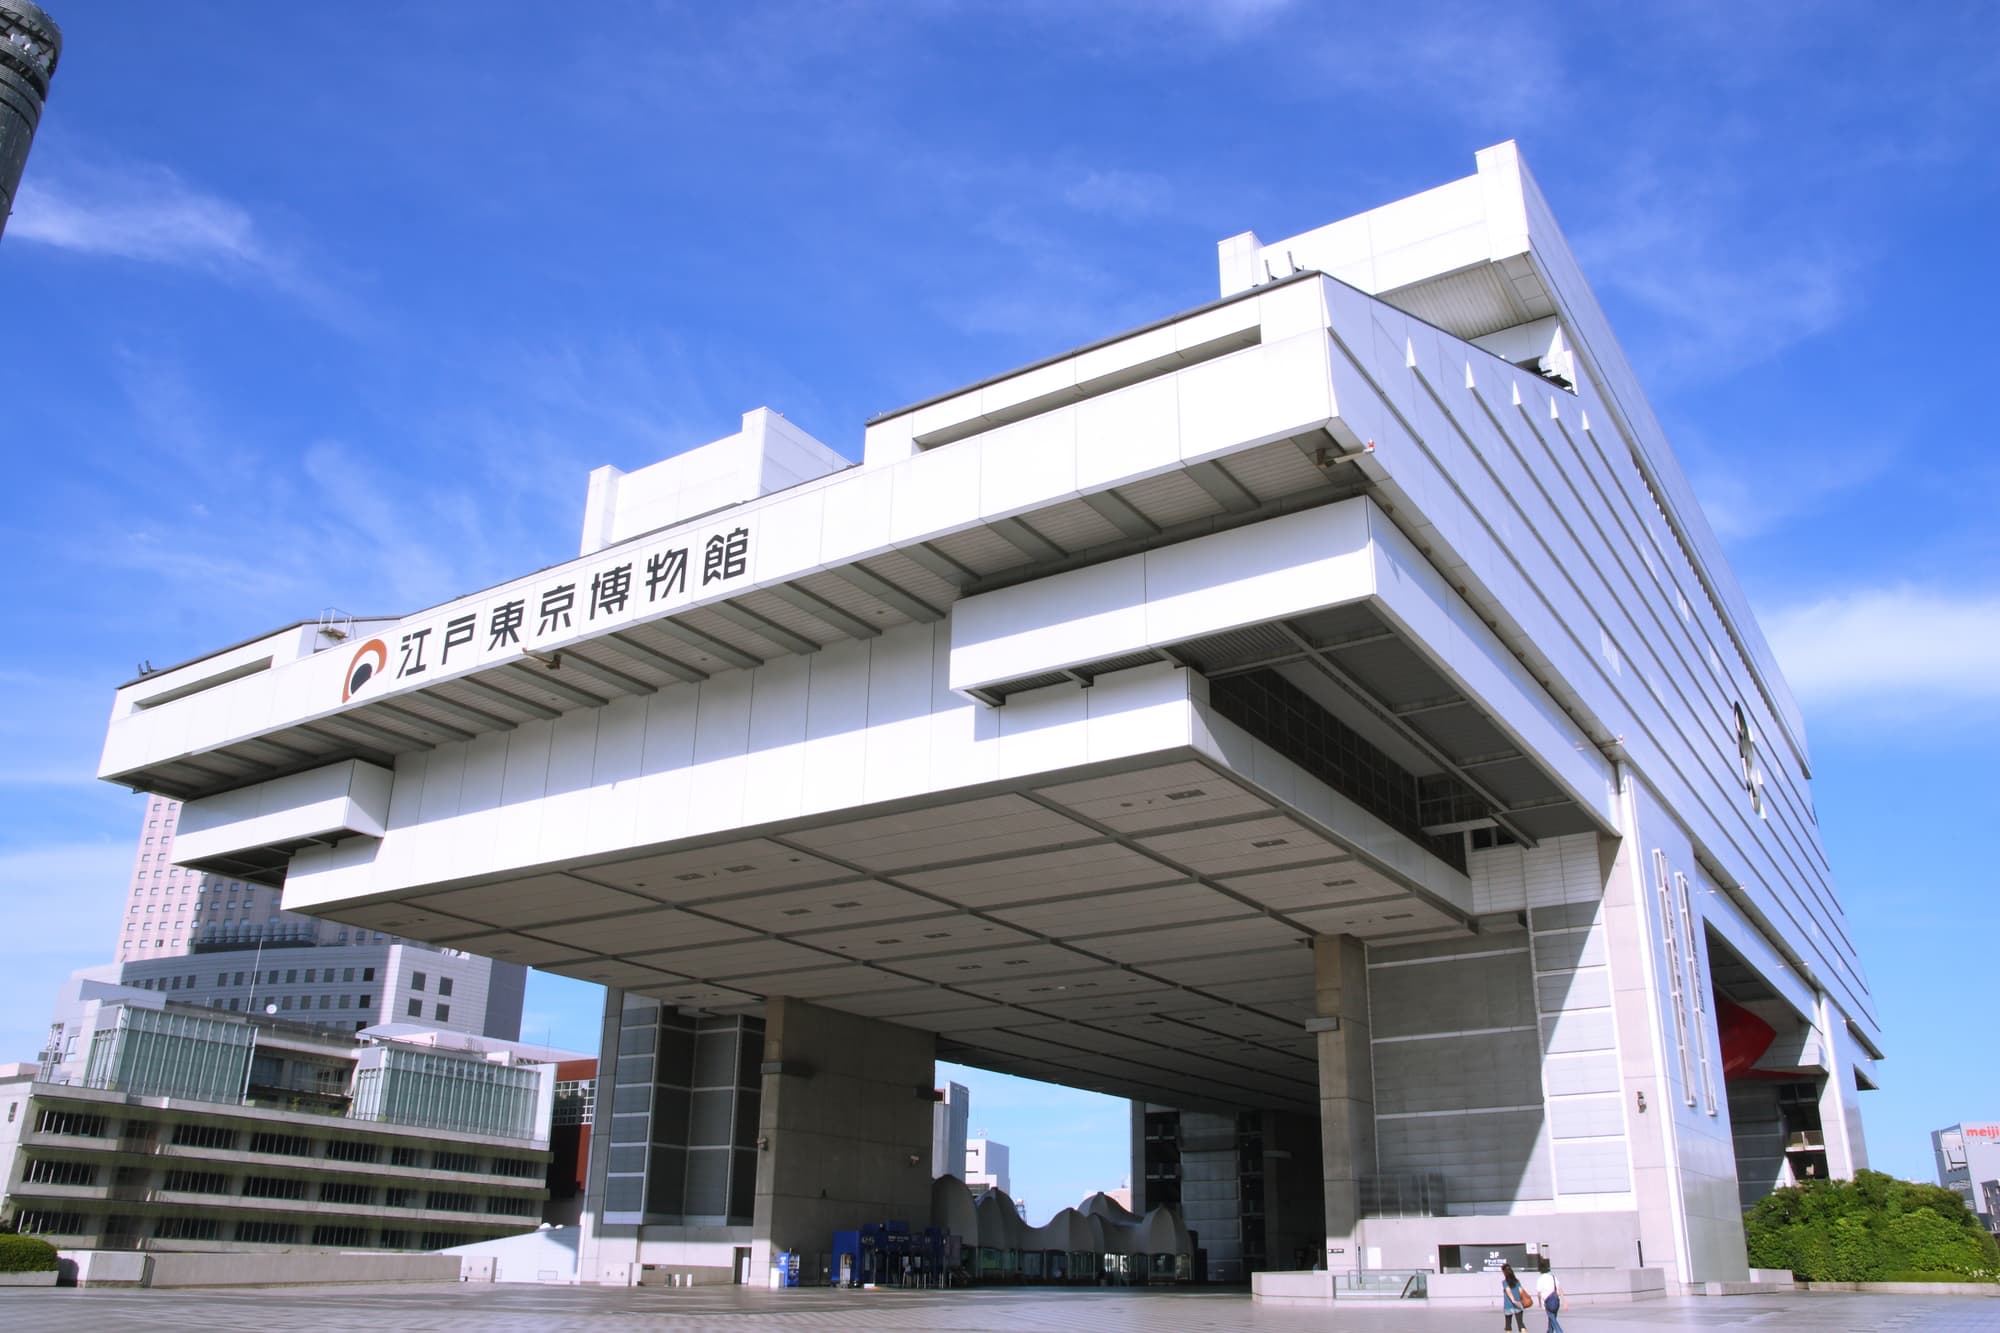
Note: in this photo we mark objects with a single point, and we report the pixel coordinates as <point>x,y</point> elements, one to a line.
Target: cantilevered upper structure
<point>1327,703</point>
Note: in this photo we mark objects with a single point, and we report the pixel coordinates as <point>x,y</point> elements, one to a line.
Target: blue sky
<point>308,310</point>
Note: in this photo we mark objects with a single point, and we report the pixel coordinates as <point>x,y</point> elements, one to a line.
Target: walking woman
<point>1549,1291</point>
<point>1514,1300</point>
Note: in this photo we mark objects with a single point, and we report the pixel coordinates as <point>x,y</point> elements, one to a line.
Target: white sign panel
<point>543,612</point>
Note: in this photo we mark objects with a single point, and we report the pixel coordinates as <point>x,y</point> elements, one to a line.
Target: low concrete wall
<point>104,1268</point>
<point>279,1268</point>
<point>45,1279</point>
<point>1314,1288</point>
<point>1575,1240</point>
<point>299,1268</point>
<point>684,1275</point>
<point>1581,1286</point>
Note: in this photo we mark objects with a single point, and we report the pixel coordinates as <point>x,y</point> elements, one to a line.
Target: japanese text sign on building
<point>550,609</point>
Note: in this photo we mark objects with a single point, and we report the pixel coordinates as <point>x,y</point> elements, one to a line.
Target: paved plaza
<point>503,1309</point>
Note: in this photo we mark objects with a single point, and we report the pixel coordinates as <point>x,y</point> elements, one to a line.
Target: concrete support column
<point>605,1254</point>
<point>1346,1086</point>
<point>844,1128</point>
<point>1634,955</point>
<point>1839,1116</point>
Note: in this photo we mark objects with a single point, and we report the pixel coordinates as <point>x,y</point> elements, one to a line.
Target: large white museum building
<point>1325,711</point>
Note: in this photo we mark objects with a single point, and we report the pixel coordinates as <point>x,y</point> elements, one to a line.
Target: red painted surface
<point>1745,1038</point>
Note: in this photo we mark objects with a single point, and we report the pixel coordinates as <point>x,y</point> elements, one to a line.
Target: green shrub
<point>1929,1275</point>
<point>1864,1229</point>
<point>26,1254</point>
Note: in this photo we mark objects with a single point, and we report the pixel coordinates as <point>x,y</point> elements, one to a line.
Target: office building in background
<point>30,47</point>
<point>218,940</point>
<point>948,1122</point>
<point>1968,1163</point>
<point>152,1124</point>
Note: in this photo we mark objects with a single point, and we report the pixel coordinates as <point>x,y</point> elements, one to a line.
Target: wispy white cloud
<point>1759,487</point>
<point>149,214</point>
<point>1124,194</point>
<point>1729,279</point>
<point>64,901</point>
<point>63,898</point>
<point>1892,652</point>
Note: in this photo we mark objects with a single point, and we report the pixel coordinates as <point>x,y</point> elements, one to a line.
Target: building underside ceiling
<point>1141,932</point>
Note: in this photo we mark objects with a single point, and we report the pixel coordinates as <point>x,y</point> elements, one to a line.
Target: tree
<point>1869,1228</point>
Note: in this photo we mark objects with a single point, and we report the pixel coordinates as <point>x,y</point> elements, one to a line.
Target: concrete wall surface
<point>1275,1288</point>
<point>845,1127</point>
<point>1581,1286</point>
<point>534,1256</point>
<point>104,1268</point>
<point>298,1268</point>
<point>1578,1241</point>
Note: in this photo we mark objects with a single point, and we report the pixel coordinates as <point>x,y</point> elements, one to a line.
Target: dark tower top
<point>30,45</point>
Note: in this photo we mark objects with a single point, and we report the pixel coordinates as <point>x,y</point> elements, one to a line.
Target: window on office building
<point>444,985</point>
<point>444,1013</point>
<point>1752,761</point>
<point>368,974</point>
<point>416,981</point>
<point>1676,980</point>
<point>416,1009</point>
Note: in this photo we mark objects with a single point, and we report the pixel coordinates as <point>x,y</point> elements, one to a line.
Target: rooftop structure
<point>1328,701</point>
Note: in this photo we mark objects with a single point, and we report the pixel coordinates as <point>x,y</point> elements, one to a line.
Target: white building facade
<point>987,1166</point>
<point>1330,701</point>
<point>154,1124</point>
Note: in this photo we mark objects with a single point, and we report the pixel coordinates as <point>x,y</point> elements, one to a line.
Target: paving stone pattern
<point>520,1309</point>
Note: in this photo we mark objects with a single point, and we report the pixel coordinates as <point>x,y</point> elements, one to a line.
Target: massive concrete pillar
<point>844,1129</point>
<point>1346,1086</point>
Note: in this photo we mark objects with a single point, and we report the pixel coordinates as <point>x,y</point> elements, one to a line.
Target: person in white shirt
<point>1549,1292</point>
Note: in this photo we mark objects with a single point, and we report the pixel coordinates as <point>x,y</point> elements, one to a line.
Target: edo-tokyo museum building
<point>1326,709</point>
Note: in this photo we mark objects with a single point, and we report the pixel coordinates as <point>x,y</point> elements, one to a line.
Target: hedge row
<point>26,1254</point>
<point>1868,1229</point>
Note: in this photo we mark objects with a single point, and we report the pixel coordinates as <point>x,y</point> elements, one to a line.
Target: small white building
<point>986,1166</point>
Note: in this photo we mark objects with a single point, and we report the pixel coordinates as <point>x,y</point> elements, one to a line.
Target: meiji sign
<point>1991,1132</point>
